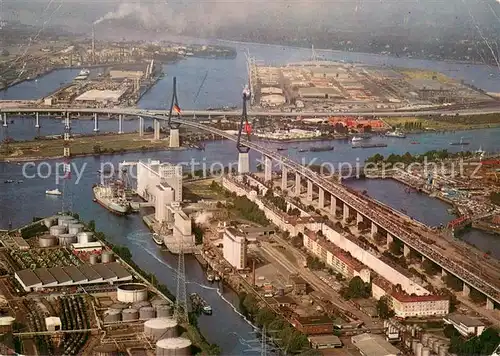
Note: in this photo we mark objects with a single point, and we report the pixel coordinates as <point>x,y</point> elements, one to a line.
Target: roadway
<point>205,113</point>
<point>396,224</point>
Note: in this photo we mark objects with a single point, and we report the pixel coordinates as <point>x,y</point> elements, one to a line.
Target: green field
<point>445,123</point>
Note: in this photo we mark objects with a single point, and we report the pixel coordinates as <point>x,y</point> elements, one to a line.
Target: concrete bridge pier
<point>268,169</point>
<point>466,290</point>
<point>490,305</point>
<point>333,205</point>
<point>346,213</point>
<point>120,124</point>
<point>321,198</point>
<point>359,218</point>
<point>156,129</point>
<point>141,126</point>
<point>243,163</point>
<point>374,229</point>
<point>37,120</point>
<point>309,191</point>
<point>406,250</point>
<point>298,187</point>
<point>174,138</point>
<point>5,120</point>
<point>96,123</point>
<point>284,178</point>
<point>390,240</point>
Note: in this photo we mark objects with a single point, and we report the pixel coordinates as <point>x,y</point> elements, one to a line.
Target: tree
<point>395,247</point>
<point>357,289</point>
<point>265,317</point>
<point>384,312</point>
<point>430,267</point>
<point>91,225</point>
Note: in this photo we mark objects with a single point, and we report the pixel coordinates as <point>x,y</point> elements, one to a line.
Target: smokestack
<point>93,44</point>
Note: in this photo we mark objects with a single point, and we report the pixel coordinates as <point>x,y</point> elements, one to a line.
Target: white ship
<point>53,192</point>
<point>357,139</point>
<point>84,74</point>
<point>109,197</point>
<point>158,239</point>
<point>396,133</point>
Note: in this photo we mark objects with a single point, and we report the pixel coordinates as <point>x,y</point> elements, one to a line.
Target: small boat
<point>157,238</point>
<point>396,133</point>
<point>415,142</point>
<point>53,192</point>
<point>303,150</point>
<point>8,181</point>
<point>357,139</point>
<point>199,304</point>
<point>20,181</point>
<point>322,149</point>
<point>281,149</point>
<point>369,145</point>
<point>459,143</point>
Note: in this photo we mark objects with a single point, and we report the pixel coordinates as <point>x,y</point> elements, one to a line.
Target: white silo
<point>178,346</point>
<point>112,315</point>
<point>414,343</point>
<point>420,346</point>
<point>164,311</point>
<point>61,220</point>
<point>132,292</point>
<point>93,259</point>
<point>47,241</point>
<point>146,313</point>
<point>57,230</point>
<point>66,239</point>
<point>75,228</point>
<point>107,257</point>
<point>160,328</point>
<point>130,314</point>
<point>85,237</point>
<point>426,351</point>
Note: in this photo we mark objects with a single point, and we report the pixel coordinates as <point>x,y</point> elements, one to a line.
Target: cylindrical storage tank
<point>132,293</point>
<point>130,314</point>
<point>75,228</point>
<point>47,241</point>
<point>119,306</point>
<point>435,345</point>
<point>163,311</point>
<point>140,305</point>
<point>57,230</point>
<point>178,346</point>
<point>443,350</point>
<point>425,338</point>
<point>159,301</point>
<point>112,315</point>
<point>414,343</point>
<point>420,346</point>
<point>94,259</point>
<point>107,257</point>
<point>66,239</point>
<point>104,350</point>
<point>69,222</point>
<point>160,328</point>
<point>49,222</point>
<point>62,219</point>
<point>426,351</point>
<point>85,237</point>
<point>146,313</point>
<point>429,342</point>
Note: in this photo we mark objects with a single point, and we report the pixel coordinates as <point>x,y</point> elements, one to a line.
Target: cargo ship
<point>321,149</point>
<point>199,304</point>
<point>111,198</point>
<point>83,75</point>
<point>369,145</point>
<point>460,143</point>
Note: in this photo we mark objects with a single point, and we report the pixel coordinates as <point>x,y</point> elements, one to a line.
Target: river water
<point>223,85</point>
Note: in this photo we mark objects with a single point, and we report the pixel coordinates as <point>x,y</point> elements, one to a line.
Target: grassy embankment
<point>99,144</point>
<point>444,123</point>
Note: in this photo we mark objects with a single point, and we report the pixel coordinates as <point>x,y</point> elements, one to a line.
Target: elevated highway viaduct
<point>395,225</point>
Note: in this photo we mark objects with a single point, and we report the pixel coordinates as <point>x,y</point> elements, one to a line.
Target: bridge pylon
<point>174,126</point>
<point>243,156</point>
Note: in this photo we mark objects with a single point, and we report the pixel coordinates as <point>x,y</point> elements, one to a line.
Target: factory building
<point>54,277</point>
<point>160,184</point>
<point>181,226</point>
<point>235,248</point>
<point>319,93</point>
<point>100,96</point>
<point>314,325</point>
<point>373,345</point>
<point>128,71</point>
<point>465,325</point>
<point>272,100</point>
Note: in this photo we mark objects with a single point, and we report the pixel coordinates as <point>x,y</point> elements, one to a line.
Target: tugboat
<point>357,139</point>
<point>199,304</point>
<point>322,149</point>
<point>53,192</point>
<point>396,133</point>
<point>157,238</point>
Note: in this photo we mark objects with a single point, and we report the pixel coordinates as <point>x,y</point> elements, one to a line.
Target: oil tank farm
<point>160,328</point>
<point>61,220</point>
<point>112,316</point>
<point>130,314</point>
<point>47,241</point>
<point>178,346</point>
<point>57,230</point>
<point>132,293</point>
<point>146,313</point>
<point>85,237</point>
<point>107,257</point>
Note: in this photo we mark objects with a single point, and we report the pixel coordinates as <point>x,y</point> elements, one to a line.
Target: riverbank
<point>443,123</point>
<point>106,144</point>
